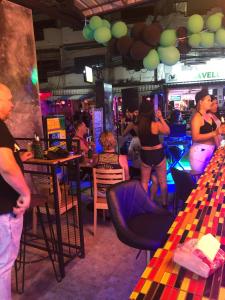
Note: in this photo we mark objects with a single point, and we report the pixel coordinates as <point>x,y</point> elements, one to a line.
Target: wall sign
<point>212,70</point>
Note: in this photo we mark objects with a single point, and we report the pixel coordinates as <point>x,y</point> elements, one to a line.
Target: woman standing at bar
<point>152,152</point>
<point>213,113</point>
<point>204,133</point>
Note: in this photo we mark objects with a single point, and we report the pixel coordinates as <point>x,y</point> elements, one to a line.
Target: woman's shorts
<point>152,157</point>
<point>200,155</point>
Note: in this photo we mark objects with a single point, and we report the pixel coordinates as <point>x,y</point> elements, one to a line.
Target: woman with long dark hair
<point>204,131</point>
<point>152,152</point>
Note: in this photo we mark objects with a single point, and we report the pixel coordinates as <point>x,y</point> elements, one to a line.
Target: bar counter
<point>204,213</point>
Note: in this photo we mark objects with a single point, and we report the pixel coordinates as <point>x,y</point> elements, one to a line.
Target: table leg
<point>58,223</point>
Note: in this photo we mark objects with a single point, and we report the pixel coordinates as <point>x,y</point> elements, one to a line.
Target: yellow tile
<point>146,272</point>
<point>195,221</point>
<point>180,231</point>
<point>188,226</point>
<point>134,295</point>
<point>165,278</point>
<point>222,294</point>
<point>167,245</point>
<point>185,284</point>
<point>182,295</point>
<point>180,213</point>
<point>190,234</point>
<point>210,224</point>
<point>217,214</point>
<point>146,287</point>
<point>158,252</point>
<point>203,229</point>
<point>221,220</point>
<point>170,230</point>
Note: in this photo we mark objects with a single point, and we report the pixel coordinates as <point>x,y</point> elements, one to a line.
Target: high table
<point>64,207</point>
<point>204,213</point>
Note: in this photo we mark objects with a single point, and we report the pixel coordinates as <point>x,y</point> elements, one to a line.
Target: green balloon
<point>214,22</point>
<point>169,55</point>
<point>88,34</point>
<point>195,23</point>
<point>220,37</point>
<point>194,40</point>
<point>119,29</point>
<point>207,39</point>
<point>95,22</point>
<point>151,60</point>
<point>219,14</point>
<point>168,38</point>
<point>102,35</point>
<point>105,23</point>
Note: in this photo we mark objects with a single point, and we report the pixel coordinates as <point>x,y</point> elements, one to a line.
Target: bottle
<point>90,152</point>
<point>37,148</point>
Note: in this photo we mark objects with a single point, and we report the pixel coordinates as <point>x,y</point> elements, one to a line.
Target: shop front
<point>183,81</point>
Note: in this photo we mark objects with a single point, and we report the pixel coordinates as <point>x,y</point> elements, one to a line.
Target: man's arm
<point>12,174</point>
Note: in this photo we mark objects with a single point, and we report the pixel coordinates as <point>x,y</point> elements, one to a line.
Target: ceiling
<point>74,12</point>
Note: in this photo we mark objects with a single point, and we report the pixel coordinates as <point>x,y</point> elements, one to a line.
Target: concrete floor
<point>109,270</point>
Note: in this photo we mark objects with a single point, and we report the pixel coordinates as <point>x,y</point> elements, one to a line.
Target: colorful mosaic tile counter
<point>204,213</point>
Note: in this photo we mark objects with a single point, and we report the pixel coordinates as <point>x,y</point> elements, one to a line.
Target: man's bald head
<point>6,104</point>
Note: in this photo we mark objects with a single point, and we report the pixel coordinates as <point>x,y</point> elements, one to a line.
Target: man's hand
<point>26,155</point>
<point>22,204</point>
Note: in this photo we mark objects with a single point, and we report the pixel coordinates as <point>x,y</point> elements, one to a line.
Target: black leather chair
<point>139,223</point>
<point>184,183</point>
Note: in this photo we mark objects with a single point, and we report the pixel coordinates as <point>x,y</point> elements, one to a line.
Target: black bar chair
<point>184,183</point>
<point>26,240</point>
<point>139,223</point>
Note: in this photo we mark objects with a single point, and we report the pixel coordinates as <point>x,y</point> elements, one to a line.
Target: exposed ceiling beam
<point>70,5</point>
<point>53,12</point>
<point>115,7</point>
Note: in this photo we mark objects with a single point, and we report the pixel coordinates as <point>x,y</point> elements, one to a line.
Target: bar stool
<point>37,201</point>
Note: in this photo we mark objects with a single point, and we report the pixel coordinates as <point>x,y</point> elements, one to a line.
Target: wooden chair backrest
<point>44,187</point>
<point>107,177</point>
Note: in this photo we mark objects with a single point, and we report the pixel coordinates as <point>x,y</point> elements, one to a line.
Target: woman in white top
<point>204,133</point>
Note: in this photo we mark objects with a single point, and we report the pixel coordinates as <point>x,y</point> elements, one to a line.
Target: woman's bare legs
<point>145,175</point>
<point>161,175</point>
<point>154,187</point>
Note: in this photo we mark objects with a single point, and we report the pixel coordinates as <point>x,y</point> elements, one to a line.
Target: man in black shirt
<point>14,195</point>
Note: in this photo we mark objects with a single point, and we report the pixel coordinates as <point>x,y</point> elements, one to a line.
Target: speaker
<point>104,99</point>
<point>100,94</point>
<point>130,99</point>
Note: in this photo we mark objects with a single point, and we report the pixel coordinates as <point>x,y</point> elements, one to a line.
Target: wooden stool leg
<point>34,221</point>
<point>95,220</point>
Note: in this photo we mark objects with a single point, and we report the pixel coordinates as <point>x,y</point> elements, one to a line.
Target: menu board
<point>97,115</point>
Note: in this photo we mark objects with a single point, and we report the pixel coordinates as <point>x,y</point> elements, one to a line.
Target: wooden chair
<point>44,188</point>
<point>104,177</point>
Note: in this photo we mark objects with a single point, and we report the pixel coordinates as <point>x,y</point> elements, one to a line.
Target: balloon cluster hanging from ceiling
<point>152,44</point>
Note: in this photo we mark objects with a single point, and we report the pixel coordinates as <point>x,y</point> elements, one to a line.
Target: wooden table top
<point>165,280</point>
<point>51,161</point>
